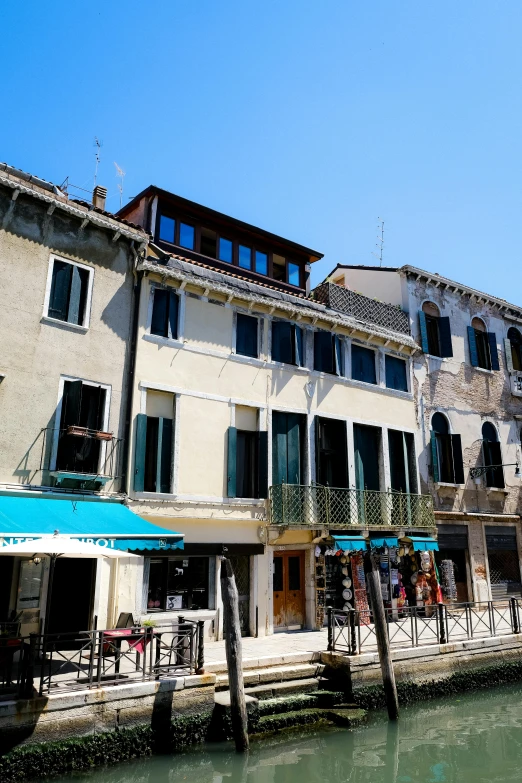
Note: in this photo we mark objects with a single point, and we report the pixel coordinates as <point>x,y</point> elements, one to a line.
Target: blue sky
<point>308,119</point>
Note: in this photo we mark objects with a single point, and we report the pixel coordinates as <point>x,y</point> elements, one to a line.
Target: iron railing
<point>353,632</point>
<point>58,663</point>
<point>362,307</point>
<point>313,506</point>
<point>81,451</point>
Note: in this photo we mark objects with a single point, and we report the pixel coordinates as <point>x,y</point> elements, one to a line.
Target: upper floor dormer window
<point>435,331</point>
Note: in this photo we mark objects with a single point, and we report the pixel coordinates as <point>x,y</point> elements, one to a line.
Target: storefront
<point>452,561</point>
<point>503,561</point>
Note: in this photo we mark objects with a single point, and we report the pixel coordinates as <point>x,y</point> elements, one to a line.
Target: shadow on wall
<point>35,462</point>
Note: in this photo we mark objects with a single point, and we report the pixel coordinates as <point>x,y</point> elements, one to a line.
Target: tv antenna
<point>97,157</point>
<point>120,173</point>
<point>380,241</point>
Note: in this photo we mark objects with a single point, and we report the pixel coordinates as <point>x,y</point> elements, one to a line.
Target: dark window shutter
<point>60,287</point>
<point>164,470</point>
<point>71,403</point>
<point>363,364</point>
<point>446,348</point>
<point>231,462</point>
<point>395,369</point>
<point>279,448</point>
<point>423,331</point>
<point>246,335</point>
<point>293,449</point>
<point>458,466</point>
<point>139,456</point>
<point>282,342</point>
<point>493,350</point>
<point>78,295</point>
<point>434,457</point>
<point>509,355</point>
<point>473,354</point>
<point>262,462</point>
<point>298,342</point>
<point>160,306</point>
<point>338,350</point>
<point>173,315</point>
<point>323,359</point>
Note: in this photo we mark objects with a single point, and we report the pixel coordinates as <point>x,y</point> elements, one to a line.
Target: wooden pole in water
<point>233,647</point>
<point>383,642</point>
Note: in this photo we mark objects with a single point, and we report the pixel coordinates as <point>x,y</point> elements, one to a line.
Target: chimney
<point>99,194</point>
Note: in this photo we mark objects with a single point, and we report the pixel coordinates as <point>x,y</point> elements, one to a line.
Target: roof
<point>219,217</point>
<point>102,522</point>
<point>363,266</point>
<point>45,191</point>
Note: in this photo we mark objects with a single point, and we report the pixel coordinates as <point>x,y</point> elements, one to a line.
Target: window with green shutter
<point>287,343</point>
<point>363,364</point>
<point>247,464</point>
<point>247,327</point>
<point>396,373</point>
<point>69,292</point>
<point>153,454</point>
<point>328,354</point>
<point>165,309</point>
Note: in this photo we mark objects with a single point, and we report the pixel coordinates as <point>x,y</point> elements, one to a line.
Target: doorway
<point>72,595</point>
<point>289,591</point>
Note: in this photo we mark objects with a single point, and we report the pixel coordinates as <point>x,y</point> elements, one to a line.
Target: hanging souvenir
<point>347,594</point>
<point>347,582</point>
<point>344,571</point>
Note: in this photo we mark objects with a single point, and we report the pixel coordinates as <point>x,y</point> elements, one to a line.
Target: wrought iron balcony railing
<point>362,307</point>
<point>295,505</point>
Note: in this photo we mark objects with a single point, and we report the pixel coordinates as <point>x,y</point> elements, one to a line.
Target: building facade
<point>467,386</point>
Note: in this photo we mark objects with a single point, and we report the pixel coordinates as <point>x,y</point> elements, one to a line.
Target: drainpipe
<point>130,378</point>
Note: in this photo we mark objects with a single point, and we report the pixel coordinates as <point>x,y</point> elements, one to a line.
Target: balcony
<point>307,507</point>
<point>80,458</point>
<point>362,307</point>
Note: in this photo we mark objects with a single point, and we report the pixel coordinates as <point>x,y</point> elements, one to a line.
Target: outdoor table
<point>8,647</point>
<point>135,639</point>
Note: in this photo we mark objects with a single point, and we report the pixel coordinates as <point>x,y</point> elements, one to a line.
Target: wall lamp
<point>476,473</point>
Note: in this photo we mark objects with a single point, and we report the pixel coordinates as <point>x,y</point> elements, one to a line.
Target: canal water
<point>463,739</point>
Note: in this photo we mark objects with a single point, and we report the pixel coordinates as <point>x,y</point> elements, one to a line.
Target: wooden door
<point>289,590</point>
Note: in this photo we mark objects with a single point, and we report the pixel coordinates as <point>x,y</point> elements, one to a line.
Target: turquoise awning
<point>379,541</point>
<point>101,522</point>
<point>422,544</point>
<point>349,543</point>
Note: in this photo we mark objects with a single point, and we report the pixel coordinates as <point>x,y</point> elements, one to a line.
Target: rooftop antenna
<point>97,156</point>
<point>120,173</point>
<point>380,241</point>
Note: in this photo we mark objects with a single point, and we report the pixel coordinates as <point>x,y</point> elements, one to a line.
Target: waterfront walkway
<point>276,646</point>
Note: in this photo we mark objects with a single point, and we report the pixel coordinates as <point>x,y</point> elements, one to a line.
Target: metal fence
<point>353,632</point>
<point>362,307</point>
<point>81,450</point>
<point>58,663</point>
<point>297,505</point>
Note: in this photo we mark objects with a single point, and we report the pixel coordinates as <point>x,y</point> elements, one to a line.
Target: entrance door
<point>289,591</point>
<point>241,569</point>
<point>72,595</point>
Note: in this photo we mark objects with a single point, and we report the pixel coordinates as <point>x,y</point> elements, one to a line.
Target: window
<point>186,236</point>
<point>403,473</point>
<point>328,353</point>
<point>245,257</point>
<point>294,274</point>
<point>287,343</point>
<point>225,250</point>
<point>396,375</point>
<point>178,583</point>
<point>435,331</point>
<point>167,229</point>
<point>492,456</point>
<point>208,243</point>
<point>446,452</point>
<point>482,346</point>
<point>165,306</point>
<point>261,263</point>
<point>246,335</point>
<point>363,364</point>
<point>279,268</point>
<point>82,417</point>
<point>69,293</point>
<point>153,458</point>
<point>331,452</point>
<point>247,464</point>
<point>367,447</point>
<point>513,346</point>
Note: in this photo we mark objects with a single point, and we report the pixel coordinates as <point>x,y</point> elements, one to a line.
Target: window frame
<point>454,439</point>
<point>165,566</point>
<point>406,373</point>
<point>293,327</point>
<point>375,356</point>
<point>339,356</point>
<point>258,335</point>
<point>88,299</point>
<point>171,290</point>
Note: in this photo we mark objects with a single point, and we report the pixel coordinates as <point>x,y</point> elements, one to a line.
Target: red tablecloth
<point>136,640</point>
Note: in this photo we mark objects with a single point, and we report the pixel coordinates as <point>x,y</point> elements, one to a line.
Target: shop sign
<point>103,543</point>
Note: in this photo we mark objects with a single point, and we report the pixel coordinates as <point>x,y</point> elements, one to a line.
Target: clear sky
<point>309,119</point>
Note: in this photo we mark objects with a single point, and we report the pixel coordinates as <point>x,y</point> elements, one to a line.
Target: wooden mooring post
<point>383,642</point>
<point>233,647</point>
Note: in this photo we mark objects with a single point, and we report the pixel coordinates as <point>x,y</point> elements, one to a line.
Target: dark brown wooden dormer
<point>198,233</point>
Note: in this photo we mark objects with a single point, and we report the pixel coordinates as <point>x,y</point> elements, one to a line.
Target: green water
<point>464,739</point>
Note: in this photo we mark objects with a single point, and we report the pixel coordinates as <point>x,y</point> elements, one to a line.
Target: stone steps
<point>273,674</point>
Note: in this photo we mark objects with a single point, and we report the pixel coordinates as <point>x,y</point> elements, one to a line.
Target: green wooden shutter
<point>423,331</point>
<point>59,296</point>
<point>338,355</point>
<point>446,348</point>
<point>262,462</point>
<point>139,455</point>
<point>232,462</point>
<point>458,465</point>
<point>173,315</point>
<point>493,350</point>
<point>509,355</point>
<point>298,343</point>
<point>279,448</point>
<point>164,465</point>
<point>73,312</point>
<point>71,403</point>
<point>473,354</point>
<point>434,457</point>
<point>293,450</point>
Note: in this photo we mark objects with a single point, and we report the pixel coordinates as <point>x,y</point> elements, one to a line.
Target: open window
<point>513,348</point>
<point>81,434</point>
<point>69,292</point>
<point>367,446</point>
<point>287,343</point>
<point>328,354</point>
<point>247,463</point>
<point>403,473</point>
<point>331,452</point>
<point>446,452</point>
<point>492,456</point>
<point>482,346</point>
<point>154,444</point>
<point>435,331</point>
<point>165,311</point>
<point>247,328</point>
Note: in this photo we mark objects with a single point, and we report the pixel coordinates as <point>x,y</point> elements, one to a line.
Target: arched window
<point>435,331</point>
<point>446,452</point>
<point>492,456</point>
<point>514,346</point>
<point>479,344</point>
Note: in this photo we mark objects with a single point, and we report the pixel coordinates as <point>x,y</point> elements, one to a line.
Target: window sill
<point>483,369</point>
<point>159,340</point>
<point>441,484</point>
<point>65,324</point>
<point>288,367</point>
<point>499,490</point>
